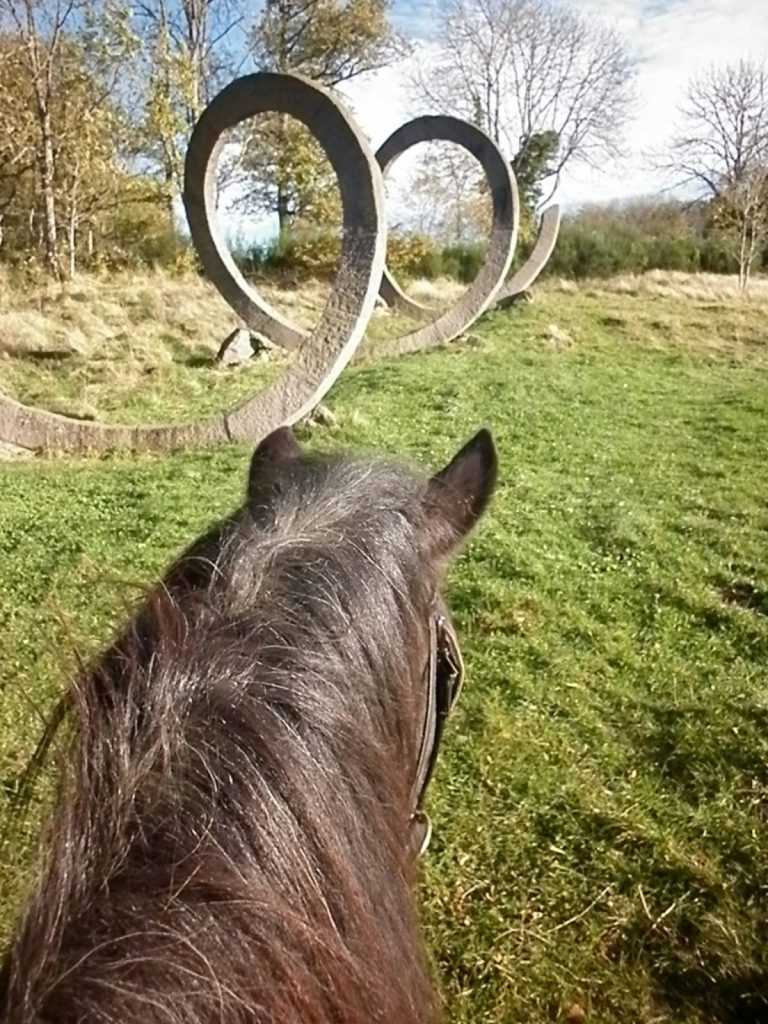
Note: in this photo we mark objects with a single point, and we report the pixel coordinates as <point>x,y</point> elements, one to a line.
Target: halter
<point>444,675</point>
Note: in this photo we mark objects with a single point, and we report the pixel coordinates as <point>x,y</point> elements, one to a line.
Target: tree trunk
<point>283,209</point>
<point>48,192</point>
<point>743,257</point>
<point>72,242</point>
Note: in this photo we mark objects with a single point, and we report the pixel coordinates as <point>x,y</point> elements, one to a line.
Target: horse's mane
<point>231,842</point>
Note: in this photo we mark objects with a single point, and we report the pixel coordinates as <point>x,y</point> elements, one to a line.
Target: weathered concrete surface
<point>13,451</point>
<point>533,266</point>
<point>321,355</point>
<point>39,430</point>
<point>480,295</point>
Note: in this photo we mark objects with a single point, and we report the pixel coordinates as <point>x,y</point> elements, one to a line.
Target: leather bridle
<point>444,675</point>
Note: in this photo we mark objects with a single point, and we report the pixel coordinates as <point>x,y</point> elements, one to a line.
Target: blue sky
<point>670,40</point>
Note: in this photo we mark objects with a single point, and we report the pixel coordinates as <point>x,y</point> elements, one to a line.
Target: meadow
<point>601,800</point>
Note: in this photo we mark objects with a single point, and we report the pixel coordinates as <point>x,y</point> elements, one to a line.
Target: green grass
<point>601,800</point>
<point>138,348</point>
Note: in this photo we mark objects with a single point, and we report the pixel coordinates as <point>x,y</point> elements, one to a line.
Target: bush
<point>599,241</point>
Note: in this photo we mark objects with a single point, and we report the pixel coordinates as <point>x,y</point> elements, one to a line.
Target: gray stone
<point>522,280</point>
<point>12,451</point>
<point>236,349</point>
<point>321,416</point>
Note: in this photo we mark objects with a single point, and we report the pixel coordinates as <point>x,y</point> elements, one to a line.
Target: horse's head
<point>393,532</point>
<point>243,800</point>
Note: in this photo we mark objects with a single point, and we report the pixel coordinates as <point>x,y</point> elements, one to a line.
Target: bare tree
<point>722,148</point>
<point>524,69</point>
<point>445,197</point>
<point>187,52</point>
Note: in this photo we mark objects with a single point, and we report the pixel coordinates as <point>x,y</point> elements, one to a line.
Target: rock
<point>518,299</point>
<point>321,416</point>
<point>574,1014</point>
<point>241,346</point>
<point>236,348</point>
<point>13,451</point>
<point>556,337</point>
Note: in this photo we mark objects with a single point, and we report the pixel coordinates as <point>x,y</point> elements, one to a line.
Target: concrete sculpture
<point>505,217</point>
<point>319,356</point>
<point>523,278</point>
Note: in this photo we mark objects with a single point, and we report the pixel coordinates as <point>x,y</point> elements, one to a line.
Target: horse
<point>239,810</point>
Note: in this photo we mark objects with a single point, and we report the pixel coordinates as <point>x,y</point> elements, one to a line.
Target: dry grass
<point>674,284</point>
<point>140,347</point>
<point>440,293</point>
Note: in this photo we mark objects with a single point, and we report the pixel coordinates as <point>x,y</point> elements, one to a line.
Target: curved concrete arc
<point>545,243</point>
<point>321,355</point>
<point>501,242</point>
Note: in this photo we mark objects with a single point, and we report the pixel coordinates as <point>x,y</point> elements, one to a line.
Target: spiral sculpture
<point>320,355</point>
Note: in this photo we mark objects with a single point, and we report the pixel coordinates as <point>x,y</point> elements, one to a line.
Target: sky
<point>670,40</point>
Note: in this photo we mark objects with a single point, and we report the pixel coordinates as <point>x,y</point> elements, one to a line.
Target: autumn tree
<point>185,52</point>
<point>721,148</point>
<point>330,41</point>
<point>68,156</point>
<point>18,142</point>
<point>552,87</point>
<point>39,31</point>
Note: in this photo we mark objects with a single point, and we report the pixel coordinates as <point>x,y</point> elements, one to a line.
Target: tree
<point>722,149</point>
<point>64,175</point>
<point>446,197</point>
<point>549,85</point>
<point>331,41</point>
<point>18,138</point>
<point>40,28</point>
<point>184,57</point>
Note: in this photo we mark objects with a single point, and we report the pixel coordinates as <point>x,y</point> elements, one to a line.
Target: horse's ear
<point>459,494</point>
<point>278,447</point>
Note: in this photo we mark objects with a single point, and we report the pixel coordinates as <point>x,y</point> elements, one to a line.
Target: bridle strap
<point>444,676</point>
<point>425,761</point>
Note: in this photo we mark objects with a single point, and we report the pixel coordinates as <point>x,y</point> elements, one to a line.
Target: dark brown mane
<point>231,839</point>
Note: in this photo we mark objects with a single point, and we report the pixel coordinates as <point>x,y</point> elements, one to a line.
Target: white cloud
<point>670,39</point>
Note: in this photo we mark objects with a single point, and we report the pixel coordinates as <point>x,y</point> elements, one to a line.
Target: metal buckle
<point>421,832</point>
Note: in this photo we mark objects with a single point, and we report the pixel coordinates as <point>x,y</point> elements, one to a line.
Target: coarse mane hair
<point>230,839</point>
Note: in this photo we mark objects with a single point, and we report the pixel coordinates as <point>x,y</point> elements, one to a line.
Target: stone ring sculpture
<point>505,218</point>
<point>320,355</point>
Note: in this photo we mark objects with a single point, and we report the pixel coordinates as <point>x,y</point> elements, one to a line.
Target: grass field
<point>140,348</point>
<point>601,802</point>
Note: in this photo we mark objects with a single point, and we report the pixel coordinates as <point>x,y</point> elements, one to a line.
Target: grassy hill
<point>601,801</point>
